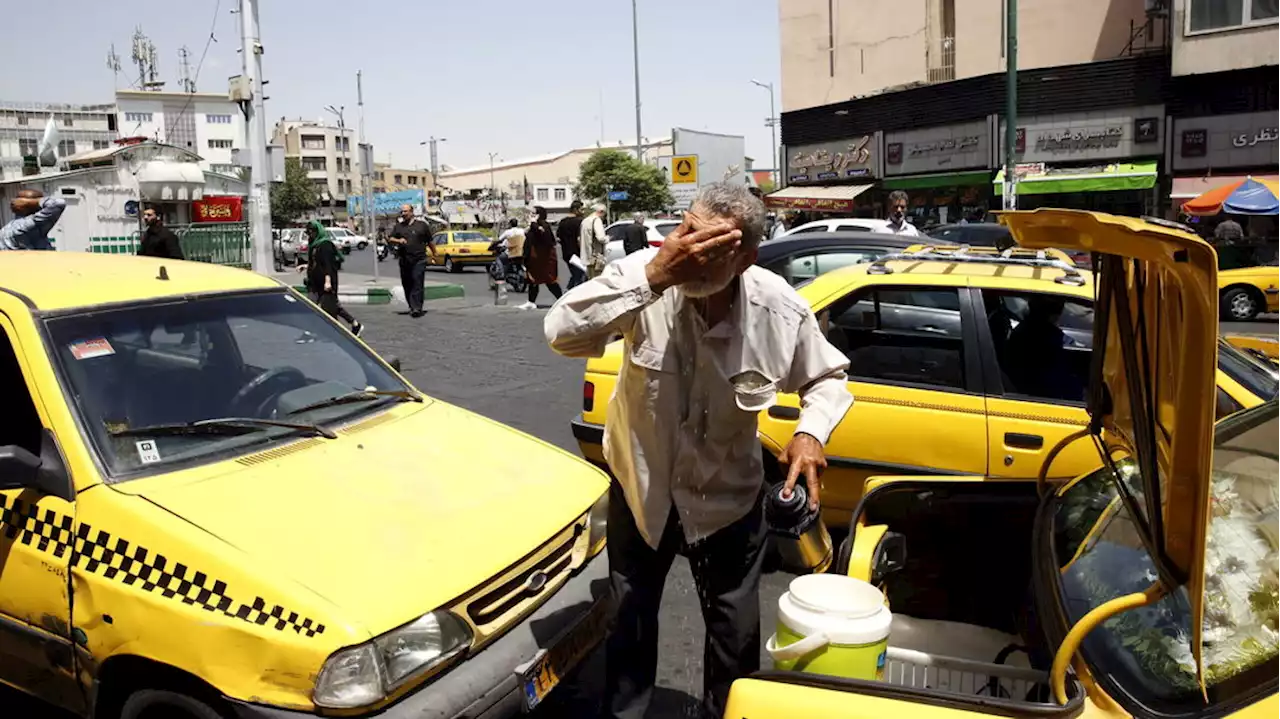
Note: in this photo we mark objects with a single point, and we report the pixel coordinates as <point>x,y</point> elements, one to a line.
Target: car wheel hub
<point>1242,305</point>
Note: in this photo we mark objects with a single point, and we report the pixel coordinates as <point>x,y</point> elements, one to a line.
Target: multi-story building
<point>559,168</point>
<point>330,157</point>
<point>81,128</point>
<point>208,124</point>
<point>391,179</point>
<point>881,95</point>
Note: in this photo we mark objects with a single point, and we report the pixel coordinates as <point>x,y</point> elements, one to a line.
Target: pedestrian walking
<point>323,262</point>
<point>635,236</point>
<point>567,232</point>
<point>34,217</point>
<point>158,240</point>
<point>412,236</point>
<point>592,239</point>
<point>1228,232</point>
<point>540,258</point>
<point>779,227</point>
<point>898,224</point>
<point>710,340</point>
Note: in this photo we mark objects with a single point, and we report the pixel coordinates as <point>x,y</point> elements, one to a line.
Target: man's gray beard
<point>705,288</point>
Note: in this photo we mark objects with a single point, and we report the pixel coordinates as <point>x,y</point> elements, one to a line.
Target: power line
<point>199,64</point>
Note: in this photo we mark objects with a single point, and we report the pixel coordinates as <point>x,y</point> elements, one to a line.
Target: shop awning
<point>939,179</point>
<point>829,198</point>
<point>1185,188</point>
<point>1111,178</point>
<point>170,181</point>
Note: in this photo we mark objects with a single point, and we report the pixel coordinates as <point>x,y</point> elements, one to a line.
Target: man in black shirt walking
<point>412,236</point>
<point>158,240</point>
<point>567,232</point>
<point>635,236</point>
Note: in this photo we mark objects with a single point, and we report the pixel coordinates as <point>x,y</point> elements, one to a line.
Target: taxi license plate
<point>549,666</point>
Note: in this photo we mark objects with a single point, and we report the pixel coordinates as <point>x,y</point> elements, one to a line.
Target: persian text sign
<point>217,209</point>
<point>830,161</point>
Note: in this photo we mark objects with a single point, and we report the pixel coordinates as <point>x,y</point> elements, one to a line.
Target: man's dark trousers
<point>576,276</point>
<point>726,569</point>
<point>412,275</point>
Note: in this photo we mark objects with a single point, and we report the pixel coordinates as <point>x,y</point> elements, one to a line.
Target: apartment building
<point>393,179</point>
<point>881,95</point>
<point>81,128</point>
<point>330,157</point>
<point>208,124</point>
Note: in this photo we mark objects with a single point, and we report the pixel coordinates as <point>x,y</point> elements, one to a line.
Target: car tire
<point>1240,305</point>
<point>361,245</point>
<point>165,704</point>
<point>450,265</point>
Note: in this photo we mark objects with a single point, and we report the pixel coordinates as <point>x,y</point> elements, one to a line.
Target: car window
<point>797,268</point>
<point>470,237</point>
<point>440,239</point>
<point>817,228</point>
<point>614,232</point>
<point>951,235</point>
<point>20,424</point>
<point>257,356</point>
<point>666,228</point>
<point>1147,650</point>
<point>1243,369</point>
<point>1042,343</point>
<point>852,228</point>
<point>900,335</point>
<point>828,261</point>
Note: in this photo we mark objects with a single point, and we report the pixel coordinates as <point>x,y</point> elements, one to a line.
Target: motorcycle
<point>502,269</point>
<point>384,250</point>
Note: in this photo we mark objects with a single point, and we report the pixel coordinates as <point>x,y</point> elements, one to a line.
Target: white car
<point>346,240</point>
<point>656,229</point>
<point>844,224</point>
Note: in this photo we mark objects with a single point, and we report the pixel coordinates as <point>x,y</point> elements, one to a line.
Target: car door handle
<point>931,330</point>
<point>779,412</point>
<point>1023,441</point>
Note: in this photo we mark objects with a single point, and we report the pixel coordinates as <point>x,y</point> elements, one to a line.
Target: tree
<point>294,196</point>
<point>767,186</point>
<point>615,170</point>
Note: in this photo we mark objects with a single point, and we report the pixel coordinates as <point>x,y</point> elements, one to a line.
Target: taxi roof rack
<point>1019,256</point>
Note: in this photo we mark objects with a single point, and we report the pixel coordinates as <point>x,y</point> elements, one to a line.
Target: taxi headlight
<point>362,675</point>
<point>597,521</point>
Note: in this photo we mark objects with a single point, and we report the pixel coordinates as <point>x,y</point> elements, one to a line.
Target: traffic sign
<point>684,169</point>
<point>618,196</point>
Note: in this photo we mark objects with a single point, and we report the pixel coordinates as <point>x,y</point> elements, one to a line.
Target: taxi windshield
<point>1101,556</point>
<point>470,237</point>
<point>176,384</point>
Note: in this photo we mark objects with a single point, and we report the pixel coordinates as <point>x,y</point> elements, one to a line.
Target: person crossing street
<point>412,236</point>
<point>323,262</point>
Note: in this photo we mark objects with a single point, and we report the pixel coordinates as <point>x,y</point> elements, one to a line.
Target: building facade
<point>81,128</point>
<point>393,179</point>
<point>330,157</point>
<point>559,168</point>
<point>207,124</point>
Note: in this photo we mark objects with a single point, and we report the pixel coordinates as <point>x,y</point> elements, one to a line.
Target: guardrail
<point>219,243</point>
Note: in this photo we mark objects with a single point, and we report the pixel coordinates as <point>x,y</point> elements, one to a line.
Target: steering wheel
<point>275,374</point>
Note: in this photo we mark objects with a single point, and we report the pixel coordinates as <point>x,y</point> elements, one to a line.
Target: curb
<point>369,296</point>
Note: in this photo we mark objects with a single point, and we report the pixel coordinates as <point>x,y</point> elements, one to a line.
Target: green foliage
<point>616,170</point>
<point>767,186</point>
<point>294,196</point>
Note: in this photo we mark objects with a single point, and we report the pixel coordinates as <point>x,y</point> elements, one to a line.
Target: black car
<point>977,234</point>
<point>802,257</point>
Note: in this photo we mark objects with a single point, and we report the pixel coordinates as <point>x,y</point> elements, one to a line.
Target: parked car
<point>210,512</point>
<point>293,245</point>
<point>1247,292</point>
<point>458,249</point>
<point>657,231</point>
<point>800,258</point>
<point>936,387</point>
<point>348,240</point>
<point>1144,585</point>
<point>844,224</point>
<point>990,234</point>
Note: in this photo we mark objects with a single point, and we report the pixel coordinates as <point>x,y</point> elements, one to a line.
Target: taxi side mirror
<point>18,467</point>
<point>394,362</point>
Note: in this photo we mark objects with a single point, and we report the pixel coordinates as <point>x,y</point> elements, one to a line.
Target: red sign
<point>217,209</point>
<point>809,203</point>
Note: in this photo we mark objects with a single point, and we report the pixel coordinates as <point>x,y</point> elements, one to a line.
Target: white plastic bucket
<point>831,624</point>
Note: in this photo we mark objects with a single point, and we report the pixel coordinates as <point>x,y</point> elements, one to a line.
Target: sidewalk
<point>357,289</point>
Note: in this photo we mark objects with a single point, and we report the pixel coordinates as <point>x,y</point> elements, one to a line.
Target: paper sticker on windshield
<point>88,349</point>
<point>147,451</point>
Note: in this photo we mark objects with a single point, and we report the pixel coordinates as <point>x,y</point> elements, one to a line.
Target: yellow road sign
<point>684,169</point>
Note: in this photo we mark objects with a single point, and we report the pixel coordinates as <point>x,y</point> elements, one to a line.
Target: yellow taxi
<point>1247,292</point>
<point>458,249</point>
<point>943,381</point>
<point>1265,349</point>
<point>217,503</point>
<point>1146,586</point>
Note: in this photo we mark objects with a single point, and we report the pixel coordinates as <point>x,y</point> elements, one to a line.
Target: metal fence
<point>219,243</point>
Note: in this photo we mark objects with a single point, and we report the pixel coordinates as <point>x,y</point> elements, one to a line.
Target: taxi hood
<point>405,511</point>
<point>1156,318</point>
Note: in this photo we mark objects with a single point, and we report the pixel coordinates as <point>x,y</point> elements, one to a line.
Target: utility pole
<point>1010,188</point>
<point>493,187</point>
<point>256,140</point>
<point>431,142</point>
<point>773,128</point>
<point>366,176</point>
<point>635,50</point>
<point>344,162</point>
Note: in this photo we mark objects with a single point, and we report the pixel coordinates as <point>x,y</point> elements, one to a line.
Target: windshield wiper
<point>221,425</point>
<point>360,395</point>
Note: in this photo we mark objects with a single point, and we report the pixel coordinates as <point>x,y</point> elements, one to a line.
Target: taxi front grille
<point>277,453</point>
<point>368,423</point>
<point>530,580</point>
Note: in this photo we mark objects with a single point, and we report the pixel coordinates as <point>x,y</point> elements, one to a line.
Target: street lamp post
<point>342,140</point>
<point>435,164</point>
<point>635,51</point>
<point>773,129</point>
<point>493,188</point>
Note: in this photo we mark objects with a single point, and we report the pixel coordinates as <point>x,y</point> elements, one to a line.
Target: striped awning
<point>828,198</point>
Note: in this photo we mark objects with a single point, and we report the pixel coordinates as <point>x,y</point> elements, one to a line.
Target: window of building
<point>28,147</point>
<point>66,148</point>
<point>68,121</point>
<point>342,144</point>
<point>220,144</point>
<point>137,117</point>
<point>321,184</point>
<point>380,177</point>
<point>398,179</point>
<point>313,142</point>
<point>1225,14</point>
<point>313,164</point>
<point>542,194</point>
<point>413,180</point>
<point>218,119</point>
<point>22,119</point>
<point>560,194</point>
<point>101,144</point>
<point>223,169</point>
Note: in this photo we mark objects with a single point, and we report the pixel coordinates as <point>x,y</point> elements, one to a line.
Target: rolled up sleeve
<point>818,375</point>
<point>586,319</point>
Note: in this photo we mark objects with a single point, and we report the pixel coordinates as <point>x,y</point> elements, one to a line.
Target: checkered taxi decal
<point>116,559</point>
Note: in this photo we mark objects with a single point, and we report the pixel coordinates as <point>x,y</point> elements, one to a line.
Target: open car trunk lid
<point>1159,401</point>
